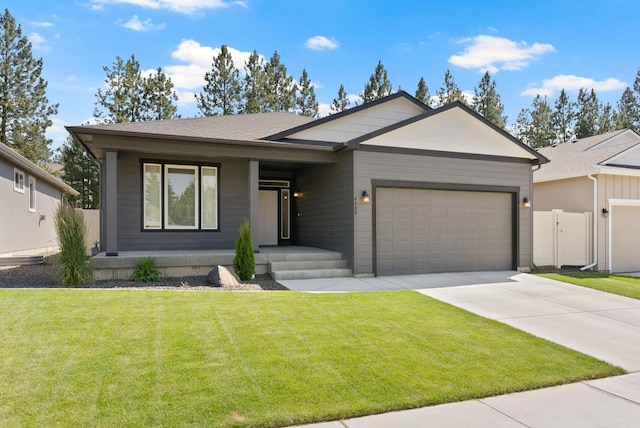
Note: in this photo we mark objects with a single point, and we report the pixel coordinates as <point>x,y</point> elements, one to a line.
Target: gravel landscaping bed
<point>43,276</point>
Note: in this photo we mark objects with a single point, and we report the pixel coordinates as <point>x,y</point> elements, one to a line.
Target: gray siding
<point>234,208</point>
<point>371,165</point>
<point>573,195</point>
<point>324,215</point>
<point>20,229</point>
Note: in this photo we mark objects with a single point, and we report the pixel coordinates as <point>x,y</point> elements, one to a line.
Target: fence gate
<point>562,239</point>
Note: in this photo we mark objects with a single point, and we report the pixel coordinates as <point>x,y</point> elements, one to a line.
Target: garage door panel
<point>445,231</point>
<point>625,238</point>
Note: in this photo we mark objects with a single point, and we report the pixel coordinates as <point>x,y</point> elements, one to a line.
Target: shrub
<point>146,271</point>
<point>244,263</point>
<point>74,267</point>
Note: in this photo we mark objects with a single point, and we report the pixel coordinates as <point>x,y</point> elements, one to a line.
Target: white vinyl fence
<point>562,239</point>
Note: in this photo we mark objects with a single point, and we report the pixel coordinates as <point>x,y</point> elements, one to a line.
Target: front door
<point>268,224</point>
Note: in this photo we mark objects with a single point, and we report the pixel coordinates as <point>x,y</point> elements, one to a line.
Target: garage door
<point>427,230</point>
<point>625,236</point>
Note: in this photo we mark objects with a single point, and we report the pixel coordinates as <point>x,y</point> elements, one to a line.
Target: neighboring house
<point>601,175</point>
<point>29,198</point>
<point>395,186</point>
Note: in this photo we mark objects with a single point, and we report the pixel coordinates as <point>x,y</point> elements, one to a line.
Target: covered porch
<point>284,262</point>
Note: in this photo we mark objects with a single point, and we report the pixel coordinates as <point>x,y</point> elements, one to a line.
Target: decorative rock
<point>220,276</point>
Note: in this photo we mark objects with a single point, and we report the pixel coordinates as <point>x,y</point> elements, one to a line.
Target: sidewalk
<point>600,324</point>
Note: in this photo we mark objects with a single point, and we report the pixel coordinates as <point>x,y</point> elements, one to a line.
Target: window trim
<point>32,193</point>
<point>196,176</point>
<point>18,180</point>
<point>198,168</point>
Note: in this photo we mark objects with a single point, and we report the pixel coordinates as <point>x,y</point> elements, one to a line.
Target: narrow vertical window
<point>32,193</point>
<point>18,180</point>
<point>285,204</point>
<point>152,196</point>
<point>181,202</point>
<point>209,197</point>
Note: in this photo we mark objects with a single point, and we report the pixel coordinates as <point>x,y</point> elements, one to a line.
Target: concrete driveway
<point>600,324</point>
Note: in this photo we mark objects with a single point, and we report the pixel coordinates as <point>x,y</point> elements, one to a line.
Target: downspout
<point>595,223</point>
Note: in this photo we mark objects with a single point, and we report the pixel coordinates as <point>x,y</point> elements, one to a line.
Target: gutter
<point>595,224</point>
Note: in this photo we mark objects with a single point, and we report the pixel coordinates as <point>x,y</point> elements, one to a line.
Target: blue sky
<point>529,47</point>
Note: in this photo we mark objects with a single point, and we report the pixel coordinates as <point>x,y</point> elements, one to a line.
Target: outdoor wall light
<point>365,198</point>
<point>605,213</point>
<point>297,193</point>
<point>526,202</point>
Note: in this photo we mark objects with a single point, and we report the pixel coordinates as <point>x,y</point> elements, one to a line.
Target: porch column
<point>109,203</point>
<point>254,192</point>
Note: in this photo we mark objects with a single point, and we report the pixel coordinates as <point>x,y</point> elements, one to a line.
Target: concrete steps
<point>309,265</point>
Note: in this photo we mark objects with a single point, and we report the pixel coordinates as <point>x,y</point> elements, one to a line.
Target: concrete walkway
<point>600,324</point>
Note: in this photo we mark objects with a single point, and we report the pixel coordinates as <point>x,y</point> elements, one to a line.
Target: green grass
<point>622,285</point>
<point>105,358</point>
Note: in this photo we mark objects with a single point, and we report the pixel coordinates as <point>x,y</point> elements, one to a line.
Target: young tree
<point>221,93</point>
<point>449,91</point>
<point>341,103</point>
<point>80,172</point>
<point>306,103</point>
<point>587,114</point>
<point>422,92</point>
<point>159,97</point>
<point>562,118</point>
<point>378,86</point>
<point>24,108</point>
<point>280,88</point>
<point>487,101</point>
<point>534,126</point>
<point>253,85</point>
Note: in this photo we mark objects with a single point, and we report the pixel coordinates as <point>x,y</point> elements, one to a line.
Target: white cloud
<point>37,41</point>
<point>489,53</point>
<point>321,43</point>
<point>324,109</point>
<point>572,83</point>
<point>135,24</point>
<point>187,7</point>
<point>42,24</point>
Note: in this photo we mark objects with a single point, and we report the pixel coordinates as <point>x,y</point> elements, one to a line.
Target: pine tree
<point>378,86</point>
<point>449,92</point>
<point>587,114</point>
<point>306,103</point>
<point>80,172</point>
<point>221,93</point>
<point>605,120</point>
<point>488,103</point>
<point>253,85</point>
<point>280,88</point>
<point>626,116</point>
<point>562,118</point>
<point>422,92</point>
<point>534,126</point>
<point>341,103</point>
<point>159,97</point>
<point>24,108</point>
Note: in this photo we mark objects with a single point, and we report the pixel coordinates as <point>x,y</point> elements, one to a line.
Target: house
<point>394,186</point>
<point>30,197</point>
<point>601,175</point>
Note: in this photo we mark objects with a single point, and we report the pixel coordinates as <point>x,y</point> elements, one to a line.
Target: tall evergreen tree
<point>159,97</point>
<point>80,172</point>
<point>253,85</point>
<point>24,108</point>
<point>449,91</point>
<point>534,126</point>
<point>606,121</point>
<point>341,103</point>
<point>378,86</point>
<point>562,118</point>
<point>488,103</point>
<point>587,114</point>
<point>422,92</point>
<point>627,114</point>
<point>221,93</point>
<point>280,88</point>
<point>306,103</point>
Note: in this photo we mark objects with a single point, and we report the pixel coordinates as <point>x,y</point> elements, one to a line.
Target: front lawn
<point>622,285</point>
<point>106,358</point>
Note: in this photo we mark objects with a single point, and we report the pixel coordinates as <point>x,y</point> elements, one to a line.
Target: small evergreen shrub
<point>74,266</point>
<point>146,271</point>
<point>244,263</point>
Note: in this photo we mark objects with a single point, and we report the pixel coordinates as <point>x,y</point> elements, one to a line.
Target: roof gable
<point>358,121</point>
<point>453,129</point>
<point>618,138</point>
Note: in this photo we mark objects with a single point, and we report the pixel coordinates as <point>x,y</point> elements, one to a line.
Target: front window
<point>180,196</point>
<point>18,180</point>
<point>32,193</point>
